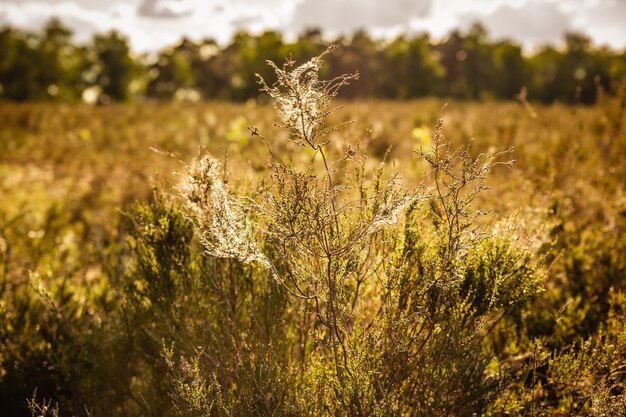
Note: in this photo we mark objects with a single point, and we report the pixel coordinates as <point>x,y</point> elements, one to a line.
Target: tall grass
<point>329,275</point>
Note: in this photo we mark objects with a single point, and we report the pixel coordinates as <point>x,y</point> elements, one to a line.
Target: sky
<point>153,24</point>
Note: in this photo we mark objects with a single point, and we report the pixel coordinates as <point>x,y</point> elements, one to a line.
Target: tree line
<point>48,65</point>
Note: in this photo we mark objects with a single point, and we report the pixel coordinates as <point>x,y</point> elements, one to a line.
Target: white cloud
<point>348,15</point>
<point>164,9</point>
<point>33,15</point>
<point>195,19</point>
<point>532,22</point>
<point>603,20</point>
<point>536,22</point>
<point>152,24</point>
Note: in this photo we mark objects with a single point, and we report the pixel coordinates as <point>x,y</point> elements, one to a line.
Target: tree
<point>17,74</point>
<point>451,55</point>
<point>115,66</point>
<point>309,44</point>
<point>511,73</point>
<point>173,71</point>
<point>61,63</point>
<point>478,63</point>
<point>410,69</point>
<point>253,53</point>
<point>545,66</point>
<point>358,52</point>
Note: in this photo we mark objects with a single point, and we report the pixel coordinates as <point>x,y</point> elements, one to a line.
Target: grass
<point>111,307</point>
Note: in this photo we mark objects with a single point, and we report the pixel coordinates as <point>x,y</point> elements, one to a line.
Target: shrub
<point>391,291</point>
<point>324,284</point>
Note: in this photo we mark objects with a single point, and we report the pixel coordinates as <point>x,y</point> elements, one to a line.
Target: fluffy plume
<point>222,223</point>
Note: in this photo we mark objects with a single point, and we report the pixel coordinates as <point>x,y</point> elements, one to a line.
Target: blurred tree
<point>115,66</point>
<point>579,67</point>
<point>510,70</point>
<point>545,67</point>
<point>359,53</point>
<point>220,75</point>
<point>49,65</point>
<point>451,54</point>
<point>18,76</point>
<point>309,44</point>
<point>61,63</point>
<point>44,66</point>
<point>208,73</point>
<point>410,70</point>
<point>253,54</point>
<point>173,71</point>
<point>477,63</point>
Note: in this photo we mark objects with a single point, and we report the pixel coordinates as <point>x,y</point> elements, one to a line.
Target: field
<point>117,297</point>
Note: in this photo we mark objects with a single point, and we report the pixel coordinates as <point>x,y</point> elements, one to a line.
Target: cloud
<point>85,4</point>
<point>538,22</point>
<point>164,9</point>
<point>85,21</point>
<point>602,20</point>
<point>534,22</point>
<point>153,24</point>
<point>348,15</point>
<point>33,15</point>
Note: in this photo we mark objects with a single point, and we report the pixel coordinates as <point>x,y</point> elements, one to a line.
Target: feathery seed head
<point>222,222</point>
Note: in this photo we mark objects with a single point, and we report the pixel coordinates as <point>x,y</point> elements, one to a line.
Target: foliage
<point>49,66</point>
<point>115,67</point>
<point>297,275</point>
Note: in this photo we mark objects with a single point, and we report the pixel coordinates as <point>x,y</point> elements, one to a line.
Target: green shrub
<point>325,283</point>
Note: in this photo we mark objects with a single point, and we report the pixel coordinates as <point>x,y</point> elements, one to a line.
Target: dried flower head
<point>302,100</point>
<point>222,222</point>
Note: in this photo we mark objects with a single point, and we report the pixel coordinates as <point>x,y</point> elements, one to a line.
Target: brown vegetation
<point>381,268</point>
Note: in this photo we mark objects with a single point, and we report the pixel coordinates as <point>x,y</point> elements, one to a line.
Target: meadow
<point>401,278</point>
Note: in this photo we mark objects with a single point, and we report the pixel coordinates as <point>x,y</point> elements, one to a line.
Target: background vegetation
<point>309,265</point>
<point>50,66</point>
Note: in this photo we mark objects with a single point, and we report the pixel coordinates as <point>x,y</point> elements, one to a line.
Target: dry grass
<point>69,176</point>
